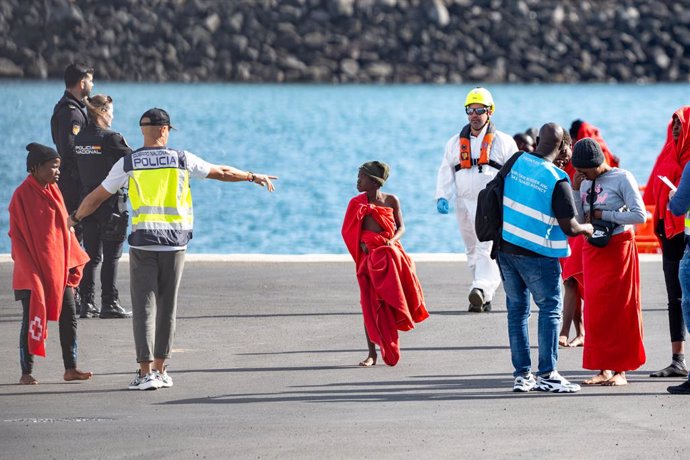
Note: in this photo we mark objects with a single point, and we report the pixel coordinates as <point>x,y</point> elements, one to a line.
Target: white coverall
<point>465,186</point>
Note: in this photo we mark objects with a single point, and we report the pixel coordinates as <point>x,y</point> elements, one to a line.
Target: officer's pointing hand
<point>263,179</point>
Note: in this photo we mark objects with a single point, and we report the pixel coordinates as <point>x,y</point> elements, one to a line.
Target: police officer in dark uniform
<point>69,118</point>
<point>97,148</point>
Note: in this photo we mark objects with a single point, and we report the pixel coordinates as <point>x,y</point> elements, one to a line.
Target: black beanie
<point>39,154</point>
<point>587,154</point>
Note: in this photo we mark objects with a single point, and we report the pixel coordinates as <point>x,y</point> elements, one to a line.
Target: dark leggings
<point>68,331</point>
<point>672,251</point>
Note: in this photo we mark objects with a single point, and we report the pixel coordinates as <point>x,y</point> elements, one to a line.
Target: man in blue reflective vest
<point>538,216</point>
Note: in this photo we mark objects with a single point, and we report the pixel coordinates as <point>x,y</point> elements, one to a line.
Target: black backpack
<point>488,221</point>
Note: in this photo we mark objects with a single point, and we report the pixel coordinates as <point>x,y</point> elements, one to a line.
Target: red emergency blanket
<point>390,293</point>
<point>612,310</point>
<point>47,256</point>
<point>670,163</point>
<point>589,130</point>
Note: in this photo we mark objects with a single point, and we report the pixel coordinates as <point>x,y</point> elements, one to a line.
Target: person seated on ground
<point>391,296</point>
<point>524,142</point>
<point>47,263</point>
<point>571,271</point>
<point>610,199</point>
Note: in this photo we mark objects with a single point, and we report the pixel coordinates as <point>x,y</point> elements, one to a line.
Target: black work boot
<point>87,307</point>
<point>111,308</point>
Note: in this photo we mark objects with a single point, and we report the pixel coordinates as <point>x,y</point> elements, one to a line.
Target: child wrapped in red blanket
<point>390,293</point>
<point>47,263</point>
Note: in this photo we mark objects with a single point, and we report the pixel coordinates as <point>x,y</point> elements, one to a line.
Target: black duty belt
<point>475,162</point>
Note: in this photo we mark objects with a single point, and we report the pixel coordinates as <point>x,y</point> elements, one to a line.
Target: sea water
<point>314,137</point>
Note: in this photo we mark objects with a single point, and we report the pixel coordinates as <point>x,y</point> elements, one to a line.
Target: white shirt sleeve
<point>445,179</point>
<point>197,167</point>
<point>504,147</point>
<point>116,178</point>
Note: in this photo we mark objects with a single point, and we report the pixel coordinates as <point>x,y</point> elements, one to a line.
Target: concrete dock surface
<point>265,366</point>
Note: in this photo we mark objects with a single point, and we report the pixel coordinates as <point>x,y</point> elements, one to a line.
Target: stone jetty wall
<point>409,41</point>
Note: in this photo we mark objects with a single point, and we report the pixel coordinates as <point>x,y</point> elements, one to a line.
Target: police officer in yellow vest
<point>471,159</point>
<point>162,222</point>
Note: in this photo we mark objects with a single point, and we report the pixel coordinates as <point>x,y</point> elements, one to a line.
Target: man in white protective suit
<point>471,159</point>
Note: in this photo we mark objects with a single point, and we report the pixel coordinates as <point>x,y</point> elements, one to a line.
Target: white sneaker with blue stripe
<point>523,384</point>
<point>556,383</point>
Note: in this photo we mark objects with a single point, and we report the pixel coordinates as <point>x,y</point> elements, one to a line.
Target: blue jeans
<point>540,277</point>
<point>684,277</point>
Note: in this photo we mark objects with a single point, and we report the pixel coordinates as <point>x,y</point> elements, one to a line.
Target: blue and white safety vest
<point>528,217</point>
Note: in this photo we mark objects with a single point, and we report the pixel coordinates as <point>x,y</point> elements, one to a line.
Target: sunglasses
<point>479,111</point>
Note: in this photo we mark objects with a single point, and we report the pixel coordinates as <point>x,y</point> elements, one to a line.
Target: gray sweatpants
<point>154,282</point>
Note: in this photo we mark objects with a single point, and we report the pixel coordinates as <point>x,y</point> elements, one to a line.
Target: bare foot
<point>600,378</point>
<point>617,380</point>
<point>28,379</point>
<point>578,341</point>
<point>563,341</point>
<point>76,374</point>
<point>370,361</point>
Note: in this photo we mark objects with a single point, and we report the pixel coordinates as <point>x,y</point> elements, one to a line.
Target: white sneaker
<point>524,384</point>
<point>165,379</point>
<point>556,383</point>
<point>134,384</point>
<point>150,381</point>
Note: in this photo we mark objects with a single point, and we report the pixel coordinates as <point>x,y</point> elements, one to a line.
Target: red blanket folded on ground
<point>589,130</point>
<point>47,256</point>
<point>612,311</point>
<point>670,163</point>
<point>390,294</point>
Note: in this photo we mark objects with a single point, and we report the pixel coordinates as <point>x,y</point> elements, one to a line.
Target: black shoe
<point>674,370</point>
<point>476,298</point>
<point>487,307</point>
<point>682,389</point>
<point>113,309</point>
<point>88,310</point>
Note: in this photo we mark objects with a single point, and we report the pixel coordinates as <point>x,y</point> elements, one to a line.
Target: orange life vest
<point>484,152</point>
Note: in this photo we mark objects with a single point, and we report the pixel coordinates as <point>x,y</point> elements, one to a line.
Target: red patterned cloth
<point>612,310</point>
<point>47,256</point>
<point>670,163</point>
<point>390,293</point>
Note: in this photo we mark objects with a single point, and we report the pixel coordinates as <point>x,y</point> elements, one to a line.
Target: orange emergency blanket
<point>390,294</point>
<point>670,163</point>
<point>612,310</point>
<point>47,256</point>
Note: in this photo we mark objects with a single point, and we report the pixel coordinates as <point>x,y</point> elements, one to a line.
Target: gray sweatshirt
<point>617,195</point>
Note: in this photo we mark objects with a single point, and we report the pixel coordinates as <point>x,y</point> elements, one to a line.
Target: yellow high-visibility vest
<point>160,197</point>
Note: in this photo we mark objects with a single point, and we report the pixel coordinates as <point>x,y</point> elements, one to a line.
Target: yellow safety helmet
<point>481,96</point>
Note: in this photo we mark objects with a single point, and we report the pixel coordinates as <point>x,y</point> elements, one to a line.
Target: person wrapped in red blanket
<point>47,263</point>
<point>669,229</point>
<point>390,293</point>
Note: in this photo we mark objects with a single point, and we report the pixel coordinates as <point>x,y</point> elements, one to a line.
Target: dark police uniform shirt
<point>97,150</point>
<point>69,118</point>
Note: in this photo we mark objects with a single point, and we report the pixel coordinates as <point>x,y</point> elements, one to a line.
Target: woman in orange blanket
<point>669,229</point>
<point>611,272</point>
<point>47,263</point>
<point>390,294</point>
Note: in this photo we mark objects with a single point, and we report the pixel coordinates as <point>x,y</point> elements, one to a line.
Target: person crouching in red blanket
<point>390,293</point>
<point>47,263</point>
